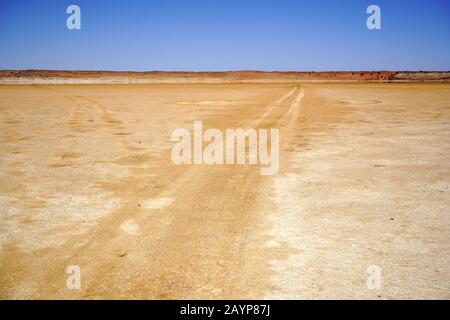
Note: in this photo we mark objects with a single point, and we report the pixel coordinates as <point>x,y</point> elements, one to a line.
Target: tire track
<point>154,264</point>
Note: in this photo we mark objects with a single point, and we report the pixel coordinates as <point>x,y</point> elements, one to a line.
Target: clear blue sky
<point>225,35</point>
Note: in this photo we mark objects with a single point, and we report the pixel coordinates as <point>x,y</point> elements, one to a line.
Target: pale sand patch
<point>209,102</point>
<point>157,203</point>
<point>47,223</point>
<point>130,226</point>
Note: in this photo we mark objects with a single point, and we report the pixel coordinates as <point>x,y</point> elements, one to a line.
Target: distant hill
<point>63,76</point>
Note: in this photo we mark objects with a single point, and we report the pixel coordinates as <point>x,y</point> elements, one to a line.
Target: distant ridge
<point>92,76</point>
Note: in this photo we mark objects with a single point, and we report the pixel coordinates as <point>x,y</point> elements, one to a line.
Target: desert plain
<point>87,180</point>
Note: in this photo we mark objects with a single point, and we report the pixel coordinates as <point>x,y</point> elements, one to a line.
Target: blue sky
<point>221,35</point>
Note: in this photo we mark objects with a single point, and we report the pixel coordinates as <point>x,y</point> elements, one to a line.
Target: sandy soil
<point>87,180</point>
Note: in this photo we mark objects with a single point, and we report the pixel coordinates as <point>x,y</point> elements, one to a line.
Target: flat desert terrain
<point>87,180</point>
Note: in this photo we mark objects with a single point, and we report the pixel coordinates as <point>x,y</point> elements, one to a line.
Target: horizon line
<point>224,71</point>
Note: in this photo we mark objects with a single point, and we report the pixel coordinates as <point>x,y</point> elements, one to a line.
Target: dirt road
<point>87,180</point>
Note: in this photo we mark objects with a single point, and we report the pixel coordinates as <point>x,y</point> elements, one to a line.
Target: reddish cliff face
<point>231,76</point>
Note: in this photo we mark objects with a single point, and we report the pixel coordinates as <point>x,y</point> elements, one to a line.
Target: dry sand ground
<point>87,179</point>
